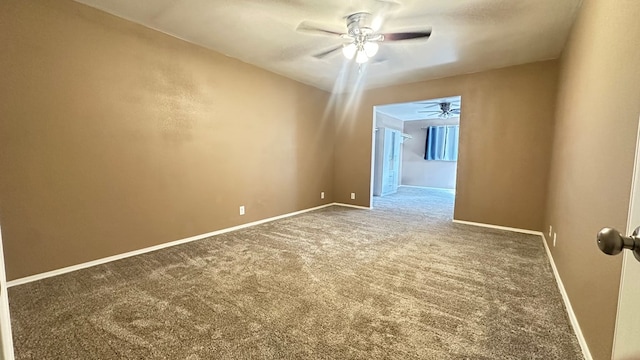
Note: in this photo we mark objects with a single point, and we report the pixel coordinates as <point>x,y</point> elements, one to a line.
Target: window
<point>442,143</point>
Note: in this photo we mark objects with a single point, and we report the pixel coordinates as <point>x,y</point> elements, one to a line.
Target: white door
<point>376,162</point>
<point>391,161</point>
<point>626,344</point>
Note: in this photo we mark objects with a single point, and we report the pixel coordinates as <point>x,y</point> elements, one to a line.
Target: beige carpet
<point>396,282</point>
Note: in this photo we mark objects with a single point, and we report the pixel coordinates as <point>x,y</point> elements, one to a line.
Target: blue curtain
<point>442,143</point>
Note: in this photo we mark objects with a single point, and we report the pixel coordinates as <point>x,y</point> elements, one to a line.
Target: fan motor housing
<point>359,24</point>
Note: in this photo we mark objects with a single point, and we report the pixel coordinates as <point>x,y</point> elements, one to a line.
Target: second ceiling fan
<point>447,109</point>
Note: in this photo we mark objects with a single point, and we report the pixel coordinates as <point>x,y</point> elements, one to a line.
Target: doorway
<point>415,144</point>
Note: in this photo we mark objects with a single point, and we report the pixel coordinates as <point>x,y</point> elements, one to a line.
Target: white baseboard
<point>105,260</point>
<point>567,303</point>
<point>352,206</point>
<point>524,231</point>
<point>427,187</point>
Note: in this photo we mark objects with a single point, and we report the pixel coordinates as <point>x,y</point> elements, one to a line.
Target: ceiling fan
<point>446,110</point>
<point>361,38</point>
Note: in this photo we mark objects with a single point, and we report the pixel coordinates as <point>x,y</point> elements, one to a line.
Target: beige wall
<point>115,137</point>
<point>507,118</point>
<point>593,153</point>
<point>416,171</point>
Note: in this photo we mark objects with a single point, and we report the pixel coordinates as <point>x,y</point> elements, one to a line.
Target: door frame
<point>625,340</point>
<point>6,340</point>
<point>373,148</point>
<point>373,156</point>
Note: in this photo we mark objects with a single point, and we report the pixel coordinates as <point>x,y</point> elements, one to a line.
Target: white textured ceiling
<point>468,35</point>
<point>415,110</point>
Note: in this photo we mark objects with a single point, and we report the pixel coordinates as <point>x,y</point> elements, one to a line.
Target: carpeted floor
<point>400,281</point>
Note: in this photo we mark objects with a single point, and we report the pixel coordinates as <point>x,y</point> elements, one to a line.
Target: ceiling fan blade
<point>327,52</point>
<point>455,111</point>
<point>311,28</point>
<point>424,34</point>
<point>436,112</point>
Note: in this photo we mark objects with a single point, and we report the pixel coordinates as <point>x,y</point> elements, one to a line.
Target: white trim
<point>632,219</point>
<point>105,260</point>
<point>427,187</point>
<point>626,300</point>
<point>373,155</point>
<point>6,343</point>
<point>567,304</point>
<point>524,231</point>
<point>353,206</point>
<point>616,332</point>
<point>417,187</point>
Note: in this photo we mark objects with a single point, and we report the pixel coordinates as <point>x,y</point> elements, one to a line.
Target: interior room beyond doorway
<point>416,144</point>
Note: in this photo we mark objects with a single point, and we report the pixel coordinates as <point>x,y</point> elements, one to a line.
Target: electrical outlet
<point>554,239</point>
<point>550,230</point>
<point>353,196</point>
<point>242,210</point>
<point>322,195</point>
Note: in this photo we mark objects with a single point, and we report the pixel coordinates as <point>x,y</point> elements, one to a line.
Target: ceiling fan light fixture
<point>361,57</point>
<point>371,48</point>
<point>349,50</point>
